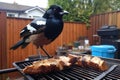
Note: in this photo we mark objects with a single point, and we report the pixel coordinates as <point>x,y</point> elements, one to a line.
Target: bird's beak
<point>64,12</point>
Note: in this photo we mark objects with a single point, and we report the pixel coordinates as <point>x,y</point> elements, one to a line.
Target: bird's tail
<point>18,44</point>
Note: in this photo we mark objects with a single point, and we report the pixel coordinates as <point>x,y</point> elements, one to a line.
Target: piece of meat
<point>98,63</point>
<point>80,61</point>
<point>73,58</point>
<point>86,60</point>
<point>63,62</point>
<point>48,65</point>
<point>92,62</point>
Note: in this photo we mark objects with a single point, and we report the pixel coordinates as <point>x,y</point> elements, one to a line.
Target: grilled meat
<point>63,62</point>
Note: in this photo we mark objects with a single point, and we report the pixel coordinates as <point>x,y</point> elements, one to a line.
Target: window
<point>11,15</point>
<point>36,16</point>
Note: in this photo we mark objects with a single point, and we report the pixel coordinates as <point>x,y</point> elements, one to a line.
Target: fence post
<point>3,51</point>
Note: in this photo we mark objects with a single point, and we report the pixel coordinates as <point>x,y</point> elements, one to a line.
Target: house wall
<point>35,13</point>
<point>32,14</point>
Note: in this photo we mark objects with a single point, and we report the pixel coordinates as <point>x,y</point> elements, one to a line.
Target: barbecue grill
<point>110,35</point>
<point>74,72</point>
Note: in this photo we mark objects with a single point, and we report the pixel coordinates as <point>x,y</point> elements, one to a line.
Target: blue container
<point>107,51</point>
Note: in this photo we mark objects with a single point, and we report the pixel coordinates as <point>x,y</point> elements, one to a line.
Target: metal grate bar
<point>86,72</point>
<point>81,76</point>
<point>105,73</point>
<point>64,78</point>
<point>69,76</point>
<point>85,76</point>
<point>48,77</point>
<point>75,75</point>
<point>56,77</point>
<point>39,77</point>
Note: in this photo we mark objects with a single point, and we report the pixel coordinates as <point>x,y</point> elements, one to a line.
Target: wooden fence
<point>97,21</point>
<point>3,49</point>
<point>10,28</point>
<point>71,32</point>
<point>9,35</point>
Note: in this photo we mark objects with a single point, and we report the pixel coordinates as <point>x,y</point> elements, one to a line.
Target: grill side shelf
<point>106,72</point>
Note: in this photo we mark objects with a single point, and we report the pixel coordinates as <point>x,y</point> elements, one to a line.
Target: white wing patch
<point>22,31</point>
<point>30,28</point>
<point>40,22</point>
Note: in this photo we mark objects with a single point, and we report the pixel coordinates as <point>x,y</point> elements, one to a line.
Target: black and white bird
<point>42,31</point>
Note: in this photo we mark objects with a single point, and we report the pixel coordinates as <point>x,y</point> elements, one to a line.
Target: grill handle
<point>8,70</point>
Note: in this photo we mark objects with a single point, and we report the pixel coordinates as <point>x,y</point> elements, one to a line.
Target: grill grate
<point>73,73</point>
<point>115,74</point>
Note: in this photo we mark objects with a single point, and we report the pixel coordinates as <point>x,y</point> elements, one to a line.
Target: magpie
<point>42,31</point>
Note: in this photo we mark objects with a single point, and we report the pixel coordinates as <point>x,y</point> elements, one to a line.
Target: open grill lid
<point>108,31</point>
<point>75,72</point>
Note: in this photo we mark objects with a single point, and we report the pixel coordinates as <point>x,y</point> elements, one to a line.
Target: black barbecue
<point>110,35</point>
<point>75,72</point>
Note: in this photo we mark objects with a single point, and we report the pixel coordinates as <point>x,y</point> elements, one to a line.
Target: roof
<point>16,7</point>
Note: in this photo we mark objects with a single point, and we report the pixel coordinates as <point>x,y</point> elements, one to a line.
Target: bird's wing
<point>35,27</point>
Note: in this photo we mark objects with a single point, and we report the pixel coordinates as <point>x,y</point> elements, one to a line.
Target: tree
<point>81,10</point>
<point>115,5</point>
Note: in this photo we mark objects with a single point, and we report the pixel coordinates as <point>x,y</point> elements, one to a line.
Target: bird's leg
<point>38,52</point>
<point>45,52</point>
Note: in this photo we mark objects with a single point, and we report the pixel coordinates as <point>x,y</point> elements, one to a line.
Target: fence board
<point>3,53</point>
<point>71,32</point>
<point>118,21</point>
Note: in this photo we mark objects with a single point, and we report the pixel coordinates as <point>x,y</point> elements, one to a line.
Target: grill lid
<point>108,31</point>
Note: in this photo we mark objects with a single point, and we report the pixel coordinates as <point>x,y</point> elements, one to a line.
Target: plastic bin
<point>107,51</point>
